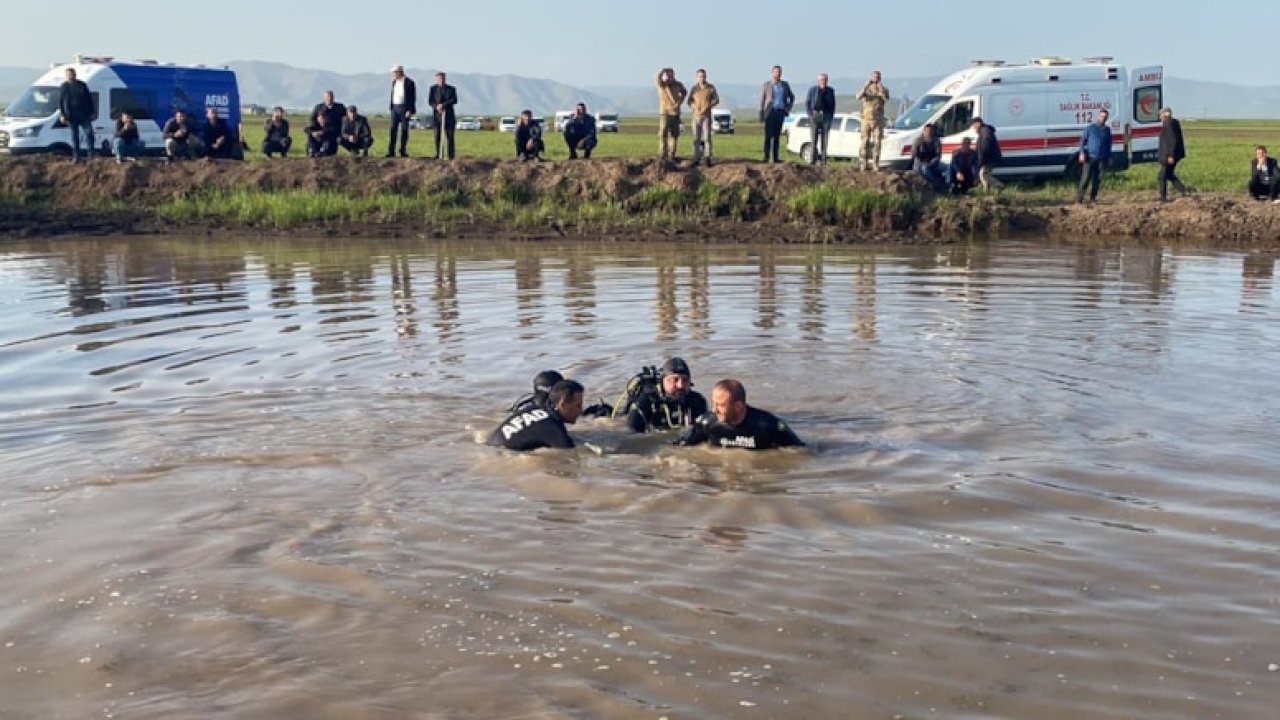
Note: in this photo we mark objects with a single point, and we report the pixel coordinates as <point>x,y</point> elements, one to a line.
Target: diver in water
<point>734,424</point>
<point>661,399</point>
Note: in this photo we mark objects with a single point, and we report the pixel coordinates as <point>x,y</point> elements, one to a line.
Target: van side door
<point>953,124</point>
<point>1146,97</point>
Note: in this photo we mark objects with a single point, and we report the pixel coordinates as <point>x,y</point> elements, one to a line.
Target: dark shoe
<point>391,154</point>
<point>404,154</point>
<point>710,162</point>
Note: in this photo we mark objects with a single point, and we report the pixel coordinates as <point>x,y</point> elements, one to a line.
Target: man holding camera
<point>661,400</point>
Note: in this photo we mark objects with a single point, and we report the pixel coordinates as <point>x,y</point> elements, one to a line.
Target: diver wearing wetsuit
<point>733,423</point>
<point>542,384</point>
<point>662,401</point>
<point>532,427</point>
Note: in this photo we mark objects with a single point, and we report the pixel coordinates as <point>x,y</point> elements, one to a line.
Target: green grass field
<point>1218,151</point>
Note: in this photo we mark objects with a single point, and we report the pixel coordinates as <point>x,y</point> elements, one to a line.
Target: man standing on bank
<point>404,105</point>
<point>78,113</point>
<point>776,100</point>
<point>821,106</point>
<point>442,98</point>
<point>734,424</point>
<point>671,93</point>
<point>1095,151</point>
<point>873,96</point>
<point>703,98</point>
<point>1171,151</point>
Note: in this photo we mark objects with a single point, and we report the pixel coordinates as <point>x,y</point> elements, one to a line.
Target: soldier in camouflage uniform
<point>873,96</point>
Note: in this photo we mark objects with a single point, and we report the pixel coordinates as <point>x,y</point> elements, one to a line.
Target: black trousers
<point>446,124</point>
<point>773,133</point>
<point>1169,175</point>
<point>1090,177</point>
<point>399,123</point>
<point>1260,189</point>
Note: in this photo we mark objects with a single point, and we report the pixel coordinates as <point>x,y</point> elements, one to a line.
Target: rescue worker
<point>662,400</point>
<point>734,424</point>
<point>873,96</point>
<point>541,427</point>
<point>542,384</point>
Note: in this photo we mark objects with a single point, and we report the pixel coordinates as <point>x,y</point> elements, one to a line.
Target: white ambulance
<point>1039,111</point>
<point>149,90</point>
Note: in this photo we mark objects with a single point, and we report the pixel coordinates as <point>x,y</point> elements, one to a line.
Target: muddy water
<point>242,479</point>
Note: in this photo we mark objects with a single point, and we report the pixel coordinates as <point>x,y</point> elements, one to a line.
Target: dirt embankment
<point>750,201</point>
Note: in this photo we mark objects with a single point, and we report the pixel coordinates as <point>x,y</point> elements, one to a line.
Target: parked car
<point>422,122</point>
<point>562,117</point>
<point>487,123</point>
<point>844,143</point>
<point>607,122</point>
<point>469,123</point>
<point>507,124</point>
<point>722,122</point>
<point>790,120</point>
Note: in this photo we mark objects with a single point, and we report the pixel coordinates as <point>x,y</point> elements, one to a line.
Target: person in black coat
<point>218,140</point>
<point>442,98</point>
<point>529,145</point>
<point>987,147</point>
<point>357,136</point>
<point>1171,150</point>
<point>181,137</point>
<point>276,134</point>
<point>333,112</point>
<point>1264,176</point>
<point>580,132</point>
<point>964,168</point>
<point>75,104</point>
<point>404,105</point>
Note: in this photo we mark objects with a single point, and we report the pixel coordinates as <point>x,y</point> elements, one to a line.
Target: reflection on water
<point>241,477</point>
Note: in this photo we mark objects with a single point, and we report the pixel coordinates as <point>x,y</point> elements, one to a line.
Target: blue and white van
<point>149,90</point>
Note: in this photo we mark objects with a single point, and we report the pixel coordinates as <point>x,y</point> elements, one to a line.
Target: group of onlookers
<point>333,125</point>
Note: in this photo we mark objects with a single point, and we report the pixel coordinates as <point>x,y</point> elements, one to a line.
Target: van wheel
<point>806,152</point>
<point>60,150</point>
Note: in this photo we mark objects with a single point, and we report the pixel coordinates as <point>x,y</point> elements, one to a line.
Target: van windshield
<point>39,101</point>
<point>920,112</point>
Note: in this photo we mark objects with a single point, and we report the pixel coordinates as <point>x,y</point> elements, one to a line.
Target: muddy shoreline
<point>49,197</point>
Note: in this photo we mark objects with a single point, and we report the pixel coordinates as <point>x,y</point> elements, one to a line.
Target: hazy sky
<point>607,42</point>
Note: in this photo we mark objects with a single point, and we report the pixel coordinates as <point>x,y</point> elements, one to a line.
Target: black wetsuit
<point>530,428</point>
<point>652,411</point>
<point>759,430</point>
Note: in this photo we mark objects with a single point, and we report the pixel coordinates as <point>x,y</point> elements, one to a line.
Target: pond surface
<point>243,478</point>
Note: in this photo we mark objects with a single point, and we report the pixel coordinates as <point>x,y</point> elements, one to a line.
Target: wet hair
<point>545,380</point>
<point>734,388</point>
<point>564,391</point>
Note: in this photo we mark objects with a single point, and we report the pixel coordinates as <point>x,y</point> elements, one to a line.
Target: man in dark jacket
<point>333,112</point>
<point>276,134</point>
<point>821,106</point>
<point>734,424</point>
<point>776,100</point>
<point>580,132</point>
<point>1171,150</point>
<point>320,141</point>
<point>181,137</point>
<point>217,136</point>
<point>78,113</point>
<point>404,105</point>
<point>529,145</point>
<point>987,146</point>
<point>356,136</point>
<point>926,158</point>
<point>964,168</point>
<point>542,427</point>
<point>442,98</point>
<point>1095,151</point>
<point>1264,176</point>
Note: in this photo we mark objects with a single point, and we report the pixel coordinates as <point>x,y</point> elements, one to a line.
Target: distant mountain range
<point>269,84</point>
